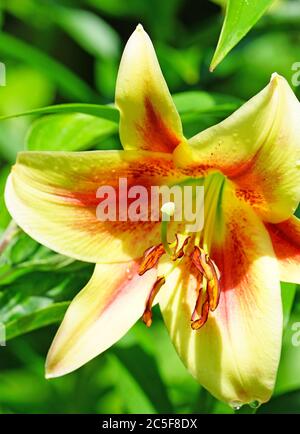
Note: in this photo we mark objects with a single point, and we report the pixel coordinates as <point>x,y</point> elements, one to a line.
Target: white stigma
<point>168,208</point>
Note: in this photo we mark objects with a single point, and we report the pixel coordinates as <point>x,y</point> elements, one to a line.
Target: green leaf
<point>180,64</point>
<point>89,30</point>
<point>241,16</point>
<point>182,388</point>
<point>4,215</point>
<point>144,369</point>
<point>199,102</point>
<point>102,111</point>
<point>285,404</point>
<point>288,292</point>
<point>21,248</point>
<point>126,386</point>
<point>40,318</point>
<point>105,76</point>
<point>21,255</point>
<point>69,83</point>
<point>120,7</point>
<point>17,96</point>
<point>200,110</point>
<point>68,132</point>
<point>288,378</point>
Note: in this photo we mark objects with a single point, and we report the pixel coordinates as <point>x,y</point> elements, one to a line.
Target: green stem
<point>164,233</point>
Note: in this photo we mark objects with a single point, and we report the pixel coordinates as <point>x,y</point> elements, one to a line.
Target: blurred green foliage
<point>59,52</point>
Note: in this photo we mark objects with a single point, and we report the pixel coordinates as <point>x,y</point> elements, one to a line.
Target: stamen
<point>198,305</point>
<point>199,258</point>
<point>151,258</point>
<point>197,324</point>
<point>181,243</point>
<point>213,287</point>
<point>216,269</point>
<point>210,272</point>
<point>147,316</point>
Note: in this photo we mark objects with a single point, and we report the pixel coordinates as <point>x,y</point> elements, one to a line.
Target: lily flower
<point>218,289</point>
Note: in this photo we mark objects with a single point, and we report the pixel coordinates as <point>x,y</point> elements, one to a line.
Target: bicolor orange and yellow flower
<point>219,289</point>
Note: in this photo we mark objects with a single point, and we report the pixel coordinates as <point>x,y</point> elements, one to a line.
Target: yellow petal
<point>258,148</point>
<point>100,315</point>
<point>235,354</point>
<point>286,243</point>
<point>149,119</point>
<point>53,197</point>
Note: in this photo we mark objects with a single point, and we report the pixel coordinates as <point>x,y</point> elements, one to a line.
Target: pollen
<point>208,287</point>
<point>208,278</point>
<point>151,259</point>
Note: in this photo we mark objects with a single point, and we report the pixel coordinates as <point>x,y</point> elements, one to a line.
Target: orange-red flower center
<point>208,277</point>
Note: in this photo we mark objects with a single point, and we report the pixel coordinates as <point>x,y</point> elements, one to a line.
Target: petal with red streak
<point>235,355</point>
<point>149,119</point>
<point>53,197</point>
<point>112,301</point>
<point>258,148</point>
<point>285,237</point>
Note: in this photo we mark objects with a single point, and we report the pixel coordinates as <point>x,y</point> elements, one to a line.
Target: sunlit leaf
<point>89,30</point>
<point>18,96</point>
<point>40,318</point>
<point>200,102</point>
<point>4,215</point>
<point>21,248</point>
<point>200,110</point>
<point>105,77</point>
<point>241,16</point>
<point>21,255</point>
<point>143,368</point>
<point>288,378</point>
<point>102,111</point>
<point>68,132</point>
<point>69,83</point>
<point>120,7</point>
<point>182,388</point>
<point>288,292</point>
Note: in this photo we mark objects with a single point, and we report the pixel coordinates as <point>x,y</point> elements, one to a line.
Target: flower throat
<point>195,249</point>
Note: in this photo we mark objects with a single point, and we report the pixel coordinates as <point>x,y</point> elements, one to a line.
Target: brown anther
<point>179,251</point>
<point>198,306</point>
<point>200,262</point>
<point>208,302</point>
<point>147,315</point>
<point>151,258</point>
<point>197,324</point>
<point>216,269</point>
<point>213,287</point>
